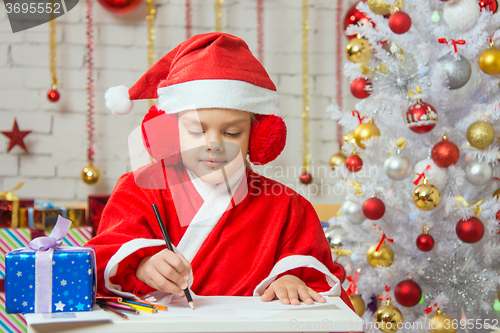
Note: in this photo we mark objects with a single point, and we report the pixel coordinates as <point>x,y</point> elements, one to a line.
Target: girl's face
<point>212,139</point>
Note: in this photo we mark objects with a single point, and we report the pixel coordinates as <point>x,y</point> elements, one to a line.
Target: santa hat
<point>213,70</point>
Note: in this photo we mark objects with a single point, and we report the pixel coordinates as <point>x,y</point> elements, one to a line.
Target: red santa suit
<point>239,235</point>
<point>272,231</point>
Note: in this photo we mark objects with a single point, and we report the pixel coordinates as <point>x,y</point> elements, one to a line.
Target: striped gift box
<point>10,323</point>
<point>77,236</point>
<point>11,239</point>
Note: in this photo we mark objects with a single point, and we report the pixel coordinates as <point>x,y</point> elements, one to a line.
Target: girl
<point>236,232</point>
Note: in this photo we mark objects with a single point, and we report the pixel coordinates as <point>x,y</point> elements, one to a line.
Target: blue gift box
<point>53,279</point>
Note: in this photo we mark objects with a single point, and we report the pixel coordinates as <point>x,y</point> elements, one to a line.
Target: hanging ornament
<point>441,323</point>
<point>364,132</point>
<point>425,242</point>
<point>354,163</point>
<point>16,137</point>
<point>306,155</point>
<point>90,174</point>
<point>470,230</point>
<point>361,88</point>
<point>490,5</point>
<point>461,15</point>
<point>426,196</point>
<point>336,160</point>
<point>374,208</point>
<point>380,254</point>
<point>218,15</point>
<point>354,296</point>
<point>408,293</point>
<point>120,6</point>
<point>358,50</point>
<point>434,174</point>
<point>380,7</point>
<point>445,153</point>
<point>189,19</point>
<point>399,22</point>
<point>480,134</point>
<point>335,235</point>
<point>457,67</point>
<point>355,17</point>
<point>53,95</point>
<point>305,178</point>
<point>388,317</point>
<point>489,60</point>
<point>397,167</point>
<point>421,117</point>
<point>352,211</point>
<point>349,136</point>
<point>338,69</point>
<point>478,173</point>
<point>435,17</point>
<point>358,303</point>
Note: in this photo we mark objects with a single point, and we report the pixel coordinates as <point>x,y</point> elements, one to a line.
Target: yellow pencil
<point>142,308</point>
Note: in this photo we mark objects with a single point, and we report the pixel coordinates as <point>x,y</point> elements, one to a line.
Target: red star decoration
<point>16,137</point>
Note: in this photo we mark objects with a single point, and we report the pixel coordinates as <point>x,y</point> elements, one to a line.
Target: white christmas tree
<point>422,157</point>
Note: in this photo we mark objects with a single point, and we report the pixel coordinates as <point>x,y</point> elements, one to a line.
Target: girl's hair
<point>248,165</point>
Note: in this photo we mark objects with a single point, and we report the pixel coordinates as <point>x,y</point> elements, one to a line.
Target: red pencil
<point>109,298</point>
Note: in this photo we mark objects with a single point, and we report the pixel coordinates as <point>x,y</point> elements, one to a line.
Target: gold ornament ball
<point>358,50</point>
<point>365,131</point>
<point>358,303</point>
<point>426,197</point>
<point>349,136</point>
<point>90,175</point>
<point>489,61</point>
<point>441,324</point>
<point>387,317</point>
<point>383,257</point>
<point>480,134</point>
<point>496,194</point>
<point>380,7</point>
<point>337,160</point>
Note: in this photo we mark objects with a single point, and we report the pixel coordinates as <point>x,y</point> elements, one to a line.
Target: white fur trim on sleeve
<point>118,100</point>
<point>297,261</point>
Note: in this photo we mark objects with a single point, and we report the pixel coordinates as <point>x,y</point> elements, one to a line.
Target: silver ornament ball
<point>352,211</point>
<point>335,236</point>
<point>457,70</point>
<point>397,167</point>
<point>478,173</point>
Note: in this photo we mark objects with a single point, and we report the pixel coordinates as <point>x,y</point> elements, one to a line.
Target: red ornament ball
<point>471,230</point>
<point>120,6</point>
<point>445,153</point>
<point>354,163</point>
<point>491,5</point>
<point>400,22</point>
<point>53,95</point>
<point>354,16</point>
<point>373,208</point>
<point>361,88</point>
<point>498,216</point>
<point>421,117</point>
<point>408,293</point>
<point>425,242</point>
<point>306,178</point>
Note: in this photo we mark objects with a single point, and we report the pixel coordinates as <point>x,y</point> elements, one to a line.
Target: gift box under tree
<point>44,215</point>
<point>47,277</point>
<point>9,207</point>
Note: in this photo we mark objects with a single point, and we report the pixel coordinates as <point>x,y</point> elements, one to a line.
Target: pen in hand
<point>171,248</point>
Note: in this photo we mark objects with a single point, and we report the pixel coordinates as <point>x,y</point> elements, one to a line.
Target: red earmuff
<point>161,137</point>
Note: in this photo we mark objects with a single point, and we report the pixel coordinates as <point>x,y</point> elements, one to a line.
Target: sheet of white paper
<point>97,314</point>
<point>232,307</point>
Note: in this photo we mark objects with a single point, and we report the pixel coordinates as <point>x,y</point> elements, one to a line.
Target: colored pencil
<point>171,248</point>
<point>134,303</point>
<point>115,311</point>
<point>121,307</point>
<point>145,309</point>
<point>158,306</point>
<point>109,298</point>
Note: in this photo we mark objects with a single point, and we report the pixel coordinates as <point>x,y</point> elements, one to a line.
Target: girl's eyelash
<point>232,135</point>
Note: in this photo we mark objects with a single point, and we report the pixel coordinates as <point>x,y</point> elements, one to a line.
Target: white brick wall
<point>58,142</point>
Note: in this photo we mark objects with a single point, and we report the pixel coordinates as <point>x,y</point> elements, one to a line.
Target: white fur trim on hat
<point>118,100</point>
<point>223,94</point>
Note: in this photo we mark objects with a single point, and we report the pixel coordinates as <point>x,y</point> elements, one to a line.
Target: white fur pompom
<point>118,100</point>
<point>461,15</point>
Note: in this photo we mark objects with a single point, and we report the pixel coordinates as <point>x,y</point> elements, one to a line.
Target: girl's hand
<point>165,271</point>
<point>289,289</point>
